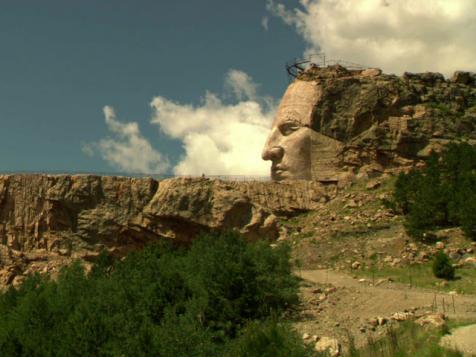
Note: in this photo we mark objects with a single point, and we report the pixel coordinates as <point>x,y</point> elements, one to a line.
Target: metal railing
<point>299,65</point>
<point>139,175</point>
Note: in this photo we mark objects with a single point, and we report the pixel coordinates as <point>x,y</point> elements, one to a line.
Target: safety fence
<point>139,175</point>
<point>298,65</point>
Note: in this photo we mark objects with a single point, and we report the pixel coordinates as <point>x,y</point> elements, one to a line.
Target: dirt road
<point>353,304</point>
<point>381,300</point>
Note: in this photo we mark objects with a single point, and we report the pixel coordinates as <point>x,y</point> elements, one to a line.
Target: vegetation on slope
<point>407,340</point>
<point>222,296</point>
<point>442,267</point>
<point>443,194</point>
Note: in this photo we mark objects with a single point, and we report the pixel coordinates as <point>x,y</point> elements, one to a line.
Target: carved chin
<point>279,175</point>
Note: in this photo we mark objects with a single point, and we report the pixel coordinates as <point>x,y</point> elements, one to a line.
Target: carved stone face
<point>289,144</point>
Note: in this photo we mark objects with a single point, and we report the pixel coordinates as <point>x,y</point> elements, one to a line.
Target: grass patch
<point>452,324</point>
<point>444,108</point>
<point>356,190</point>
<point>421,275</point>
<point>386,185</point>
<point>361,230</point>
<point>306,235</point>
<point>407,339</point>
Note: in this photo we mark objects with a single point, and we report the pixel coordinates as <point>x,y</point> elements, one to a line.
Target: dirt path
<point>353,304</point>
<point>462,339</point>
<point>392,297</point>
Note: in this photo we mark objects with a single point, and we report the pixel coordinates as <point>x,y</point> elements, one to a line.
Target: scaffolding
<point>300,65</point>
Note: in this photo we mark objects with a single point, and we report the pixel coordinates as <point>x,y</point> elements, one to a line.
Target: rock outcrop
<point>62,212</point>
<point>368,120</point>
<point>48,220</point>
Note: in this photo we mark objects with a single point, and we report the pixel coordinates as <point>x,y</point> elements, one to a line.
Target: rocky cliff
<point>387,121</point>
<point>44,217</point>
<point>38,210</point>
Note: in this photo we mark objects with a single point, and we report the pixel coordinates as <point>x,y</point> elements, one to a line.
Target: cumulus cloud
<point>241,85</point>
<point>218,138</point>
<point>395,35</point>
<point>127,149</point>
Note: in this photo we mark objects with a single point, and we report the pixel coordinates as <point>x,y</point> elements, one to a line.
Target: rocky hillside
<point>388,121</point>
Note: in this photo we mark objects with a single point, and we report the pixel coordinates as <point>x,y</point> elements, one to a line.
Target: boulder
<point>371,72</point>
<point>470,261</point>
<point>328,345</point>
<point>401,316</point>
<point>433,319</point>
<point>351,204</point>
<point>372,185</point>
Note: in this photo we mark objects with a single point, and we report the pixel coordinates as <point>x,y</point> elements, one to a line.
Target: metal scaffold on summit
<point>300,65</point>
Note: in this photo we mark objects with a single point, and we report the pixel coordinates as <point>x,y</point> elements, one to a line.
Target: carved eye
<point>289,127</point>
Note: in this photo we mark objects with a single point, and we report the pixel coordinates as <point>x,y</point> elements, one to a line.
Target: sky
<point>190,87</point>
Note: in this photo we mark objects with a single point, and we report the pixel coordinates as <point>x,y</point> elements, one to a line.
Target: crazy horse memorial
<point>335,122</point>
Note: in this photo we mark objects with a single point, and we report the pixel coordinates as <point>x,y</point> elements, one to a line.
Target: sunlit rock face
<point>333,123</point>
<point>77,212</point>
<point>289,143</point>
<point>47,221</point>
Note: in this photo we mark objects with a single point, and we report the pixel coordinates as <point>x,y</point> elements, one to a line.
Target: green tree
<point>440,195</point>
<point>442,267</point>
<point>151,302</point>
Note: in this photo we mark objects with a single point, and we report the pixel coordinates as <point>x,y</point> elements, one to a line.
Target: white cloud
<point>395,35</point>
<point>127,149</point>
<point>219,138</point>
<point>265,23</point>
<point>241,85</point>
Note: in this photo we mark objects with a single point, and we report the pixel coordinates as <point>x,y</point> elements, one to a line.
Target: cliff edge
<point>37,210</point>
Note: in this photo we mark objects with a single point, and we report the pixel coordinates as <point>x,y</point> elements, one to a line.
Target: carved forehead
<point>298,102</point>
<point>302,92</point>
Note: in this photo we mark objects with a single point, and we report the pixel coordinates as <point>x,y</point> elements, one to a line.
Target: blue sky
<point>188,87</point>
<point>62,61</point>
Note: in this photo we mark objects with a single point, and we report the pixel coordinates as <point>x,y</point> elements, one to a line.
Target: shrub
<point>465,206</point>
<point>151,302</point>
<point>237,281</point>
<point>442,267</point>
<point>268,339</point>
<point>406,340</point>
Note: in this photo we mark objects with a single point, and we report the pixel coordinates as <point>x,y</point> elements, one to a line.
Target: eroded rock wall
<point>70,212</point>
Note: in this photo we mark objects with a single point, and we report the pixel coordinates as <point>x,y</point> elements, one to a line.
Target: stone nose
<point>274,153</point>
